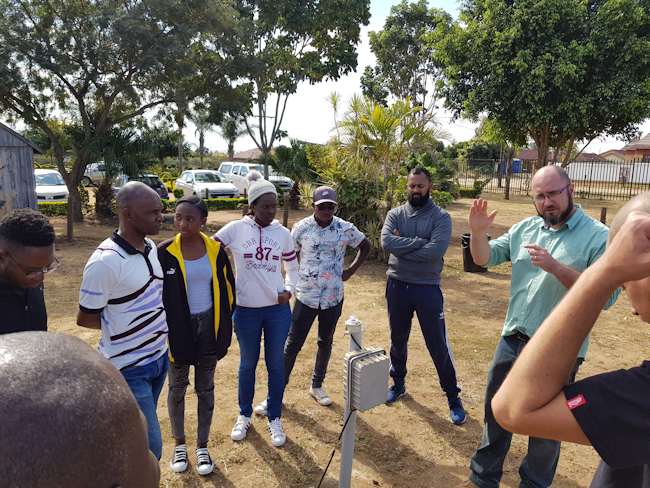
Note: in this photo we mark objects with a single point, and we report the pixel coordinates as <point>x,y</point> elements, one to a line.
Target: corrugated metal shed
<point>17,182</point>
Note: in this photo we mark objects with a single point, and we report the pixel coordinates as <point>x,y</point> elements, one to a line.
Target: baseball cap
<point>324,194</point>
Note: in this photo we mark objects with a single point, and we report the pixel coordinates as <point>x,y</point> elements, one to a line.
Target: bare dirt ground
<point>409,444</point>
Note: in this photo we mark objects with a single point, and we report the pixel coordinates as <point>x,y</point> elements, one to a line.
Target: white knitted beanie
<point>258,186</point>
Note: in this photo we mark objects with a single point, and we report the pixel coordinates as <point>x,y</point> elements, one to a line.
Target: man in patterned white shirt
<point>320,242</point>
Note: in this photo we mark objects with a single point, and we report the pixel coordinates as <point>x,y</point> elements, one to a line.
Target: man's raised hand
<point>479,220</point>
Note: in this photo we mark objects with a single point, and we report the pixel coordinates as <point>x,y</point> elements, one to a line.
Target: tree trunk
<point>511,154</point>
<point>75,198</point>
<point>201,141</point>
<point>180,149</point>
<point>542,151</point>
<point>231,150</point>
<point>499,170</point>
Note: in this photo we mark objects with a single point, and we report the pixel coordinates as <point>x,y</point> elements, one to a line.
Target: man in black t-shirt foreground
<point>26,256</point>
<point>608,411</point>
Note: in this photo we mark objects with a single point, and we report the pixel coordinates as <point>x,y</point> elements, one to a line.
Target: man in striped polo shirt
<point>121,294</point>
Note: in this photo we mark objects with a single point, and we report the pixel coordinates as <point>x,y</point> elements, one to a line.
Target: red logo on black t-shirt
<point>576,402</point>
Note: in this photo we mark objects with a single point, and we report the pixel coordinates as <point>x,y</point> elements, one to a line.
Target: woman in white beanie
<point>259,244</point>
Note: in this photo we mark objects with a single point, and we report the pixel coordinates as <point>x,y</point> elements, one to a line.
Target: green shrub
<point>178,193</point>
<point>469,193</point>
<point>57,209</point>
<point>225,203</point>
<point>53,209</point>
<point>83,194</point>
<point>441,198</point>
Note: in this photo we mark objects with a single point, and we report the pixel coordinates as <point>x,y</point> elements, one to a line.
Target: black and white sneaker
<point>204,464</point>
<point>179,462</point>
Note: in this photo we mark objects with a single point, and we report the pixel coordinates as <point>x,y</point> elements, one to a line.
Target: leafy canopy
<point>405,67</point>
<point>101,63</point>
<point>560,71</point>
<point>289,41</point>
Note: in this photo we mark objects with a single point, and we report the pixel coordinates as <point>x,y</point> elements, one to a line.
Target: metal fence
<point>592,179</point>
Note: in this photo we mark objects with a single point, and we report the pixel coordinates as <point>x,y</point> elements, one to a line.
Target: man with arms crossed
<point>548,252</point>
<point>121,294</point>
<point>26,256</point>
<point>417,235</point>
<point>610,410</point>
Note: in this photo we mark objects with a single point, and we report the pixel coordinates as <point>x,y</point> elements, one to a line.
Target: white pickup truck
<point>93,174</point>
<point>236,172</point>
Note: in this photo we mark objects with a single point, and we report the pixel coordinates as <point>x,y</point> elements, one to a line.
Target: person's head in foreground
<point>26,248</point>
<point>553,195</point>
<point>68,417</point>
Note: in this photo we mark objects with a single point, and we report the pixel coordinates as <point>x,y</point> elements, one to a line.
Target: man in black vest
<point>26,256</point>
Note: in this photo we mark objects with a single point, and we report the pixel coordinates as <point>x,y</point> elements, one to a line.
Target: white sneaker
<point>204,464</point>
<point>241,427</point>
<point>278,437</point>
<point>320,396</point>
<point>179,461</point>
<point>260,409</point>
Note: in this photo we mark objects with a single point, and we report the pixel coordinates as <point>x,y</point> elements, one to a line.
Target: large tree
<point>405,66</point>
<point>560,71</point>
<point>100,63</point>
<point>289,42</point>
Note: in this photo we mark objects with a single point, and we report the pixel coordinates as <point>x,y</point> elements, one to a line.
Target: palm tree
<point>232,128</point>
<point>200,117</point>
<point>385,135</point>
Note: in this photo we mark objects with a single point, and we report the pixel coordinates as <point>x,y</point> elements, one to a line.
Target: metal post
<point>353,328</point>
<point>285,217</point>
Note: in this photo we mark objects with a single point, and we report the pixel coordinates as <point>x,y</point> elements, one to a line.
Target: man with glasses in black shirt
<point>26,256</point>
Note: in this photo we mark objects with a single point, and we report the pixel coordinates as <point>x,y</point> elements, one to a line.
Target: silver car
<point>206,184</point>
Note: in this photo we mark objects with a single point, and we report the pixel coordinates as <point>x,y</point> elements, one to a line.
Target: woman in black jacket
<point>199,299</point>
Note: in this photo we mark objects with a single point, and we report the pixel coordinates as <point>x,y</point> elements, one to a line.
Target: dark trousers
<point>538,467</point>
<point>402,299</point>
<point>178,374</point>
<point>303,318</point>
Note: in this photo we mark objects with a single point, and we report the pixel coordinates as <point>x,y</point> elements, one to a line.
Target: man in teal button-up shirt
<point>548,252</point>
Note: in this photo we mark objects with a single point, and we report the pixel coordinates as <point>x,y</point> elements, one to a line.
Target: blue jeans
<point>537,470</point>
<point>249,324</point>
<point>402,299</point>
<point>146,383</point>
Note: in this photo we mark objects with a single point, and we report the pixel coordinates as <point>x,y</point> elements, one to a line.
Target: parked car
<point>206,184</point>
<point>50,186</point>
<point>93,174</point>
<point>236,174</point>
<point>152,181</point>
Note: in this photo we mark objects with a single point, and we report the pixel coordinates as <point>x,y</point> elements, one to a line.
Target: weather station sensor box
<point>365,383</point>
